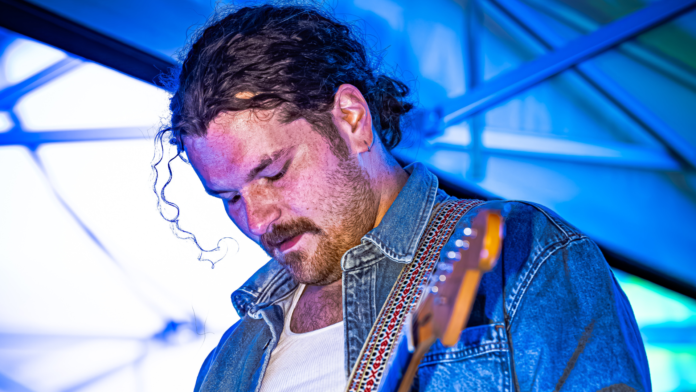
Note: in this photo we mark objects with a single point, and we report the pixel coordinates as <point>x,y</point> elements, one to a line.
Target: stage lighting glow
<point>440,53</point>
<point>389,10</point>
<point>519,142</point>
<point>458,135</point>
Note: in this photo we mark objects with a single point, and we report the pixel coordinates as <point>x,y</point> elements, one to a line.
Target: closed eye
<point>225,196</point>
<point>234,199</point>
<point>277,176</point>
<point>281,173</point>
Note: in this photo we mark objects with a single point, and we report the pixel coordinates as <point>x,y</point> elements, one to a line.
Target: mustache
<point>282,232</point>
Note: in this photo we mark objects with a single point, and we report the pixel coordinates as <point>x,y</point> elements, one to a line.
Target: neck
<point>389,181</point>
<point>318,307</point>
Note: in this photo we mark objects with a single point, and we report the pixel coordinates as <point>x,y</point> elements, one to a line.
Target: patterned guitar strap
<point>407,291</point>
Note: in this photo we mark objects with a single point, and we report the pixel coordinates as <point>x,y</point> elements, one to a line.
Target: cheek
<point>300,197</point>
<point>311,192</point>
<point>312,197</point>
<point>238,216</point>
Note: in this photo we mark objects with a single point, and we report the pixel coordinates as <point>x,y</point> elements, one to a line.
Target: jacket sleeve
<point>571,325</point>
<point>211,358</point>
<point>204,370</point>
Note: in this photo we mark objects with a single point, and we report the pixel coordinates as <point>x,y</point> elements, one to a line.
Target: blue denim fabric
<point>549,316</point>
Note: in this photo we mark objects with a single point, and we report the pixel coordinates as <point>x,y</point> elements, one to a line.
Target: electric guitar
<point>446,304</point>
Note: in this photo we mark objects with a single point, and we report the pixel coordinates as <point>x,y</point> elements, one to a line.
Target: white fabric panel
<point>53,278</point>
<point>92,96</point>
<point>68,363</point>
<point>24,58</point>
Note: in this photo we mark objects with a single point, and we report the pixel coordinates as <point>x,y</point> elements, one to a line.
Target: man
<point>284,118</point>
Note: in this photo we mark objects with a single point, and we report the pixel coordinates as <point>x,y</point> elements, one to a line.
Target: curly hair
<point>292,57</point>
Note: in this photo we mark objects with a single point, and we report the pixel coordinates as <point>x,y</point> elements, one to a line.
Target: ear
<point>351,114</point>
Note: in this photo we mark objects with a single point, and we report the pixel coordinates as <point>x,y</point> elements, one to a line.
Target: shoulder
<point>532,232</point>
<point>526,218</point>
<point>545,256</point>
<point>538,243</point>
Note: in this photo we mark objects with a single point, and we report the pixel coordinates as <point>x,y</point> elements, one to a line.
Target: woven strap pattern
<point>404,296</point>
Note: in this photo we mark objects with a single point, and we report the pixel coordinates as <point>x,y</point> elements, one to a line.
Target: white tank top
<point>308,362</point>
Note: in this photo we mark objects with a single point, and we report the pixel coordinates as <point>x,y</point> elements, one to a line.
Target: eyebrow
<point>265,162</point>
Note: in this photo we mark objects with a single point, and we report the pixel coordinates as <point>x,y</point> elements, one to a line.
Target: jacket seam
<point>207,371</point>
<point>536,266</point>
<point>485,349</point>
<point>216,351</point>
<point>423,218</point>
<point>271,284</point>
<point>267,356</point>
<point>549,217</point>
<point>241,302</point>
<point>385,250</point>
<point>265,292</point>
<point>369,264</point>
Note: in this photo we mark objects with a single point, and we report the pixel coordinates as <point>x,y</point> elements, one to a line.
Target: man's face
<point>282,185</point>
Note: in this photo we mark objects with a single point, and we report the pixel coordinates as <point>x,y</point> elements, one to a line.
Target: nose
<point>261,211</point>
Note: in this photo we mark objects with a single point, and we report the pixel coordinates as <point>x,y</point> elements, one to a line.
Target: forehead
<point>236,142</point>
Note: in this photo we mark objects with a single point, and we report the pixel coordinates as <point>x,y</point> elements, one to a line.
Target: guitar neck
<point>404,361</point>
<point>444,311</point>
<point>403,366</point>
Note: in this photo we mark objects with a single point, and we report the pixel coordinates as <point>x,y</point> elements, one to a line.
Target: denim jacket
<point>550,316</point>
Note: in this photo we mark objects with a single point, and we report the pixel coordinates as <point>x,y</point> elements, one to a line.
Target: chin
<point>307,271</point>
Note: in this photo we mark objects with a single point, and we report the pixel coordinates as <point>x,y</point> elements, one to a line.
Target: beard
<point>351,207</point>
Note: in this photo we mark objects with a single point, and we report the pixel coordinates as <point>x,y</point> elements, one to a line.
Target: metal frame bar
<point>528,75</point>
<point>45,26</point>
<point>527,19</point>
<point>10,95</point>
<point>627,157</point>
<point>33,139</point>
<point>669,67</point>
<point>474,77</point>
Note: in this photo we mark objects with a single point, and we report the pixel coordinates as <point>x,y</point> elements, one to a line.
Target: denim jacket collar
<point>396,237</point>
<point>404,223</point>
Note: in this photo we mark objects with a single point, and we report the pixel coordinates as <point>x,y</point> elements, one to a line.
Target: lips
<point>289,243</point>
<point>283,236</point>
